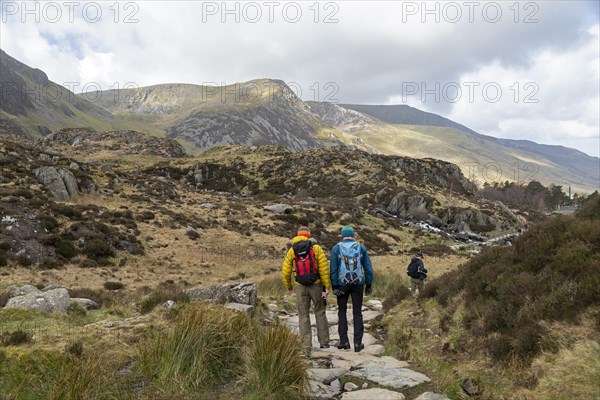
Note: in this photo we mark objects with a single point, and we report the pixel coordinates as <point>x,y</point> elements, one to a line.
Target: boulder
<point>168,304</point>
<point>70,182</point>
<point>279,208</point>
<point>349,386</point>
<point>241,292</point>
<point>60,182</point>
<point>56,300</point>
<point>373,394</point>
<point>85,303</point>
<point>21,290</point>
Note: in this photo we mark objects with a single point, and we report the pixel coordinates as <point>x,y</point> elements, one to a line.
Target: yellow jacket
<point>320,258</point>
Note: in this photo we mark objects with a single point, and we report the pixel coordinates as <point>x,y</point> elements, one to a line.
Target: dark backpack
<point>413,269</point>
<point>306,265</point>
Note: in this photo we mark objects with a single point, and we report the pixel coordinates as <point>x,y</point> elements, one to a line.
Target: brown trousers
<point>305,295</point>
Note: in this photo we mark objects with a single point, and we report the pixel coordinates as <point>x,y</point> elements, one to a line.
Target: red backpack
<point>305,263</point>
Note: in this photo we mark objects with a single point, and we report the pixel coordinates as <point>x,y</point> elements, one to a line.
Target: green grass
<point>274,368</point>
<point>204,348</point>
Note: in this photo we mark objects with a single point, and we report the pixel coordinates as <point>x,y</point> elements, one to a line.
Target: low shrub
<point>98,249</point>
<point>15,338</point>
<point>23,261</point>
<point>165,291</point>
<point>113,285</point>
<point>74,348</point>
<point>49,263</point>
<point>400,293</point>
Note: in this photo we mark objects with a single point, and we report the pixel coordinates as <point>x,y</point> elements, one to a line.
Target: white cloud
<point>371,53</point>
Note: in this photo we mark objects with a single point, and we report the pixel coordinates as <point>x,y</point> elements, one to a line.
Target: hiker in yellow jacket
<point>308,262</point>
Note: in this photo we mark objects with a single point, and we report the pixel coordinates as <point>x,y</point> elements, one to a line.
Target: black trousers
<point>356,292</point>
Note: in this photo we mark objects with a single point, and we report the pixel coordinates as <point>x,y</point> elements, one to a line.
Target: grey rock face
<point>21,290</point>
<point>242,293</point>
<point>85,303</point>
<point>56,300</point>
<point>60,182</point>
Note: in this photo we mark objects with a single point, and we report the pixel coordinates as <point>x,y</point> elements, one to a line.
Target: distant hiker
<point>417,272</point>
<point>308,262</point>
<point>351,273</point>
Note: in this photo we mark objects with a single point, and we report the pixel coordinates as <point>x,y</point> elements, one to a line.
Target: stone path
<point>367,375</point>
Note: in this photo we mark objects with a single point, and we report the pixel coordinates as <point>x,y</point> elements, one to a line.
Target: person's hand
<point>337,291</point>
<point>290,289</point>
<point>324,294</point>
<point>368,290</point>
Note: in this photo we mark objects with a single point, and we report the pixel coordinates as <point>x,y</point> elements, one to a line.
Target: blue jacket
<point>334,265</point>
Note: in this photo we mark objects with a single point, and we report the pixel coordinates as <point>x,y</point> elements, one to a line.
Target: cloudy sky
<point>523,70</point>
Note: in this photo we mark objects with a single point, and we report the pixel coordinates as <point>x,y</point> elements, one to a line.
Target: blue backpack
<point>351,271</point>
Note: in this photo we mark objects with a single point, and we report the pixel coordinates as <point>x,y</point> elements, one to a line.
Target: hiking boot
<point>344,346</point>
<point>325,346</point>
<point>358,347</point>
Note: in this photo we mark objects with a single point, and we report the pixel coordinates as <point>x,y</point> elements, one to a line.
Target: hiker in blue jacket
<point>351,272</point>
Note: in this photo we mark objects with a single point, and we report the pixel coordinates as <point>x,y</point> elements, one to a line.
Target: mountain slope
<point>34,105</point>
<point>564,164</point>
<point>258,112</point>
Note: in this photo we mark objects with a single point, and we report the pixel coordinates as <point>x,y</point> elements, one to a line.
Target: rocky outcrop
<point>60,182</point>
<point>241,293</point>
<point>85,303</point>
<point>121,142</point>
<point>52,301</point>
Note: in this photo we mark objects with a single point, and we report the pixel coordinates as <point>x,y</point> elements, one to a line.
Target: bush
<point>23,261</point>
<point>65,249</point>
<point>74,348</point>
<point>274,367</point>
<point>49,222</point>
<point>48,263</point>
<point>113,285</point>
<point>4,296</point>
<point>400,293</point>
<point>3,261</point>
<point>98,249</point>
<point>15,338</point>
<point>550,274</point>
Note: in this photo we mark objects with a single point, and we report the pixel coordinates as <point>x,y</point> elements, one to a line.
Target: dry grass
<point>573,373</point>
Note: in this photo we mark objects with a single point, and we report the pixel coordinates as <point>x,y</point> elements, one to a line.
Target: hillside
<point>529,312</point>
<point>34,105</point>
<point>267,112</point>
<point>258,112</point>
<point>557,164</point>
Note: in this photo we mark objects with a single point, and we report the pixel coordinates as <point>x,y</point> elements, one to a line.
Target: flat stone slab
<point>326,375</point>
<point>373,394</point>
<point>389,372</point>
<point>432,396</point>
